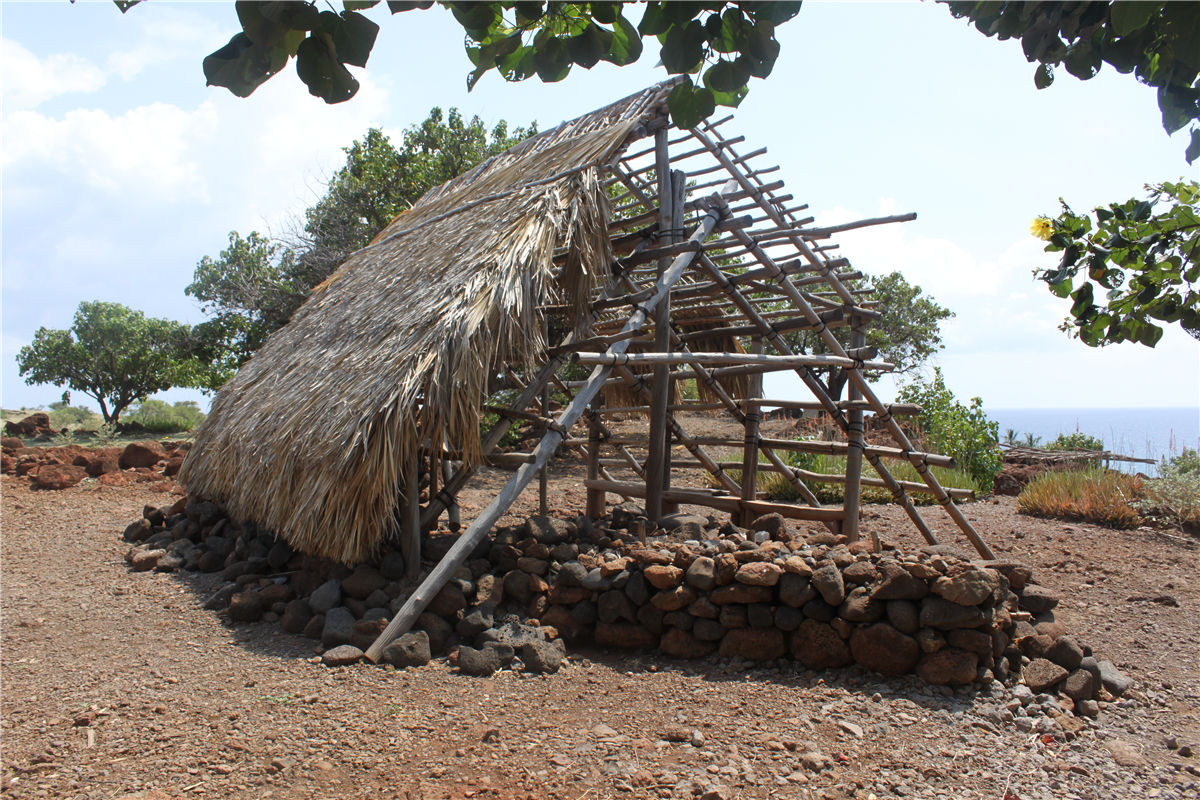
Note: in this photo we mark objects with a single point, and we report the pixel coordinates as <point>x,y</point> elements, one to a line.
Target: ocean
<point>1142,432</point>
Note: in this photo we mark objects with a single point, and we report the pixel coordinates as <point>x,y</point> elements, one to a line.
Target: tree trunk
<point>837,382</point>
<point>112,418</point>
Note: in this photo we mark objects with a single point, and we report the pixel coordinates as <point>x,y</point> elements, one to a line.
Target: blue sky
<point>121,169</point>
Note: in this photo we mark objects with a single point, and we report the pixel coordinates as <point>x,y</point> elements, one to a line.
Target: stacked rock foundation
<point>693,589</point>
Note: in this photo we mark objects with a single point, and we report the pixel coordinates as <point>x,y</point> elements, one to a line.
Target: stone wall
<point>695,589</point>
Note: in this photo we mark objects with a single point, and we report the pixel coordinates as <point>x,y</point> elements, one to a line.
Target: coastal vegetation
<point>1106,497</point>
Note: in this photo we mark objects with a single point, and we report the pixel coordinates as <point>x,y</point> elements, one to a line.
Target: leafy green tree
<point>961,431</point>
<point>1144,255</point>
<point>379,180</point>
<point>724,43</point>
<point>111,353</point>
<point>1076,441</point>
<point>1158,42</point>
<point>254,285</point>
<point>907,335</point>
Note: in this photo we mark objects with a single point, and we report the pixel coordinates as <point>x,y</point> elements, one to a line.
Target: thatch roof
<point>312,436</point>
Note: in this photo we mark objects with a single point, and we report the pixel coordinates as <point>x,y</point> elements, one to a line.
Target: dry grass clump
<point>1089,495</point>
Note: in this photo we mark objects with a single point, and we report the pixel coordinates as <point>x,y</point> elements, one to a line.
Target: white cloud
<point>144,151</point>
<point>30,81</point>
<point>167,34</point>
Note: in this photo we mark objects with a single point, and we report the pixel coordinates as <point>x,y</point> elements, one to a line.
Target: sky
<point>121,169</point>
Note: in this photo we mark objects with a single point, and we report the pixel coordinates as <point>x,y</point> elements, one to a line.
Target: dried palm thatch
<point>392,353</point>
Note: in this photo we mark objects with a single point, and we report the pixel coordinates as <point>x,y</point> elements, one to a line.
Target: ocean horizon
<point>1153,433</point>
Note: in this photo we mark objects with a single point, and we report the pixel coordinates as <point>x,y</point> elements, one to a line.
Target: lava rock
<point>363,581</point>
<point>1038,599</point>
<point>1042,675</point>
<point>903,615</point>
<point>754,644</point>
<point>741,593</point>
<point>795,590</point>
<point>859,606</point>
<point>897,583</point>
<point>410,650</point>
<point>971,587</point>
<point>438,630</point>
<point>338,628</point>
<point>663,576</point>
<point>392,565</point>
<point>758,573</point>
<point>1115,681</point>
<point>829,584</point>
<point>58,476</point>
<point>246,607</point>
<point>296,616</point>
<point>543,656</point>
<point>883,649</point>
<point>817,646</point>
<point>341,656</point>
<point>625,636</point>
<point>674,599</point>
<point>141,454</point>
<point>478,662</point>
<point>326,596</point>
<point>937,612</point>
<point>948,667</point>
<point>682,644</point>
<point>1080,685</point>
<point>1065,652</point>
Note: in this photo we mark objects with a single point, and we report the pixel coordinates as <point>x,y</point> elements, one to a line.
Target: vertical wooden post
<point>661,385</point>
<point>678,198</point>
<point>410,542</point>
<point>595,497</point>
<point>453,517</point>
<point>854,438</point>
<point>750,448</point>
<point>543,478</point>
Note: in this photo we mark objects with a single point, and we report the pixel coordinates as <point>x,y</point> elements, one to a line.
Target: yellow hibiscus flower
<point>1042,228</point>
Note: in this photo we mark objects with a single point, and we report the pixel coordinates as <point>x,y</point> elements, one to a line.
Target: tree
<point>963,432</point>
<point>378,181</point>
<point>255,285</point>
<point>1158,42</point>
<point>111,353</point>
<point>907,335</point>
<point>1146,263</point>
<point>726,42</point>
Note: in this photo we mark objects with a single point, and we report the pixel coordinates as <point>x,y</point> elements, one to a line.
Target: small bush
<point>1174,496</point>
<point>962,432</point>
<point>65,416</point>
<point>1076,441</point>
<point>777,486</point>
<point>158,416</point>
<point>1089,495</point>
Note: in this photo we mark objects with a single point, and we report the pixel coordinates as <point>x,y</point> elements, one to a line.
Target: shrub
<point>65,416</point>
<point>158,416</point>
<point>1174,496</point>
<point>962,432</point>
<point>1076,441</point>
<point>777,486</point>
<point>1089,495</point>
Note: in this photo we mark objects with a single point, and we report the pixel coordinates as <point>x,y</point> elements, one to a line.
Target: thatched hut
<point>676,261</point>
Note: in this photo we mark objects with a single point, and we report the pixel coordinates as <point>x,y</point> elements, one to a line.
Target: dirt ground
<point>118,683</point>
